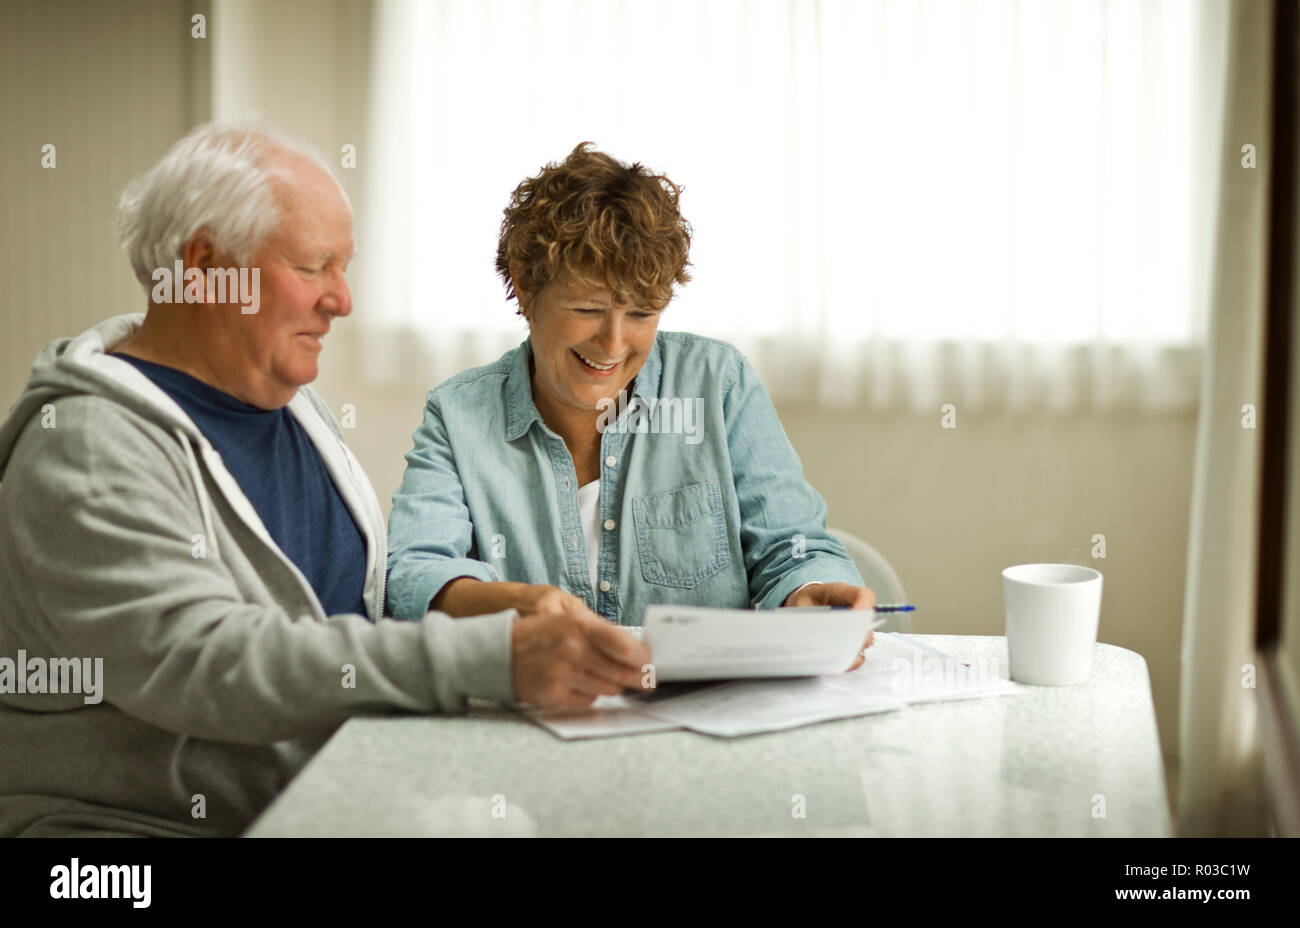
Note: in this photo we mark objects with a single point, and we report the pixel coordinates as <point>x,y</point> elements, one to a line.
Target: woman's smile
<point>594,368</point>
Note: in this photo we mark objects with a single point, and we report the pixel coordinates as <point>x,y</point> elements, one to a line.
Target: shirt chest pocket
<point>681,535</point>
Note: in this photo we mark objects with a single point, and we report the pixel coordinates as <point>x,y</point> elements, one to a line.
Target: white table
<point>1069,761</point>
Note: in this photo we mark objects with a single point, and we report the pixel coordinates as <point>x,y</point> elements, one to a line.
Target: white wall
<point>108,84</point>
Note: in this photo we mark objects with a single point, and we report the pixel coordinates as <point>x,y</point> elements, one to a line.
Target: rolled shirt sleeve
<point>430,532</point>
<point>783,519</point>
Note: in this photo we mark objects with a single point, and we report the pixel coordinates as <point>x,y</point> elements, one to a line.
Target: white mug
<point>1052,612</point>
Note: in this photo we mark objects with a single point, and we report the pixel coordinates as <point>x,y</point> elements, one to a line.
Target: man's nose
<point>337,298</point>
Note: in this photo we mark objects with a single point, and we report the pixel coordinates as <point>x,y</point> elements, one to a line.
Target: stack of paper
<point>753,706</point>
<point>897,671</point>
<point>607,717</point>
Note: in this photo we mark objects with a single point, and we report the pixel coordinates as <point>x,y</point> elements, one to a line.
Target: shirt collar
<point>521,411</point>
<point>647,380</point>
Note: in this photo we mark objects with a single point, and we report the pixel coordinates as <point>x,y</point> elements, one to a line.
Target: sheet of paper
<point>608,716</point>
<point>916,673</point>
<point>753,706</point>
<point>692,643</point>
<point>897,672</point>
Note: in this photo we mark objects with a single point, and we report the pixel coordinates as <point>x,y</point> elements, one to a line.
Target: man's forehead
<point>302,185</point>
<point>301,242</point>
<point>315,218</point>
<point>315,247</point>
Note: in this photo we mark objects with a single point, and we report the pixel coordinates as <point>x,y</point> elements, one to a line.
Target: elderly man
<point>191,560</point>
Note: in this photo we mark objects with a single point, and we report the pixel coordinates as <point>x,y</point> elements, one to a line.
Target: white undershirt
<point>589,516</point>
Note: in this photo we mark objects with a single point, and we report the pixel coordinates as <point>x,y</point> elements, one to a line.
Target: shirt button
<point>611,461</point>
<point>573,540</point>
<point>565,483</point>
<point>604,586</point>
<point>609,525</point>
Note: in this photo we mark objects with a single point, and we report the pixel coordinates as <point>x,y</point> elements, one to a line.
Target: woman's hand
<point>543,599</point>
<point>466,596</point>
<point>836,594</point>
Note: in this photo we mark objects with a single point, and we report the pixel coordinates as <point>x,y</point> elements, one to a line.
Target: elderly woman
<point>603,461</point>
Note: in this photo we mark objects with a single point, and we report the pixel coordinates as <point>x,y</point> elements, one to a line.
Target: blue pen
<point>879,607</point>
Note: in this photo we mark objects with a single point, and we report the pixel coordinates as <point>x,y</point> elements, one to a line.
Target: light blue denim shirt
<point>702,497</point>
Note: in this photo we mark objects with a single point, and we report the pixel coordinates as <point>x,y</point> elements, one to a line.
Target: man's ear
<point>200,252</point>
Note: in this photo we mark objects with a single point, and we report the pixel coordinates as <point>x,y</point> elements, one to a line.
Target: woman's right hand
<point>466,596</point>
<point>543,599</point>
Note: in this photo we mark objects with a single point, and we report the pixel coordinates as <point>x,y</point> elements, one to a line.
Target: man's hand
<point>837,594</point>
<point>567,658</point>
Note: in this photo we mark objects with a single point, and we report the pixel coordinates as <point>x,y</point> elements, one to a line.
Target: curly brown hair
<point>597,221</point>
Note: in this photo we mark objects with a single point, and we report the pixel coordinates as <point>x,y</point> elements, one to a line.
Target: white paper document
<point>752,706</point>
<point>607,717</point>
<point>915,673</point>
<point>897,672</point>
<point>692,643</point>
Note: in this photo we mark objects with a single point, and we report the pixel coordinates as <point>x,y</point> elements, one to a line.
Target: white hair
<point>219,178</point>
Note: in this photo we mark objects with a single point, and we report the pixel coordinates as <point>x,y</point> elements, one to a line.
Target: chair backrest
<point>879,576</point>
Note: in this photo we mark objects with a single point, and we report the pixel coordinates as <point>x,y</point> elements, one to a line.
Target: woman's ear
<point>521,295</point>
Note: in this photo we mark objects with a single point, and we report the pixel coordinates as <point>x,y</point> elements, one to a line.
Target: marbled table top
<point>1069,761</point>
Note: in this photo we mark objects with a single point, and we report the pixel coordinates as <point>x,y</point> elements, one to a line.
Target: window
<point>895,203</point>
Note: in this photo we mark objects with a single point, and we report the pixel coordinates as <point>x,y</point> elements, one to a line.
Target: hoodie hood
<point>81,365</point>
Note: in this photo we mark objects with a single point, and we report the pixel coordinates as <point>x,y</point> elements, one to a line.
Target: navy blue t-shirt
<point>282,474</point>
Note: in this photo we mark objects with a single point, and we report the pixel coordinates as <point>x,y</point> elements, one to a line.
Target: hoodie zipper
<point>381,546</point>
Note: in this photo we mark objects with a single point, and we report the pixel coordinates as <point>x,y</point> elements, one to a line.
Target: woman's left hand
<point>837,594</point>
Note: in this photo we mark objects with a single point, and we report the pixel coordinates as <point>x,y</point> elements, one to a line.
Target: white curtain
<point>896,204</point>
<point>1220,790</point>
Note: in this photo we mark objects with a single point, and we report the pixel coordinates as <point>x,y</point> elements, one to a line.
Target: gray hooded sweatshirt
<point>125,543</point>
